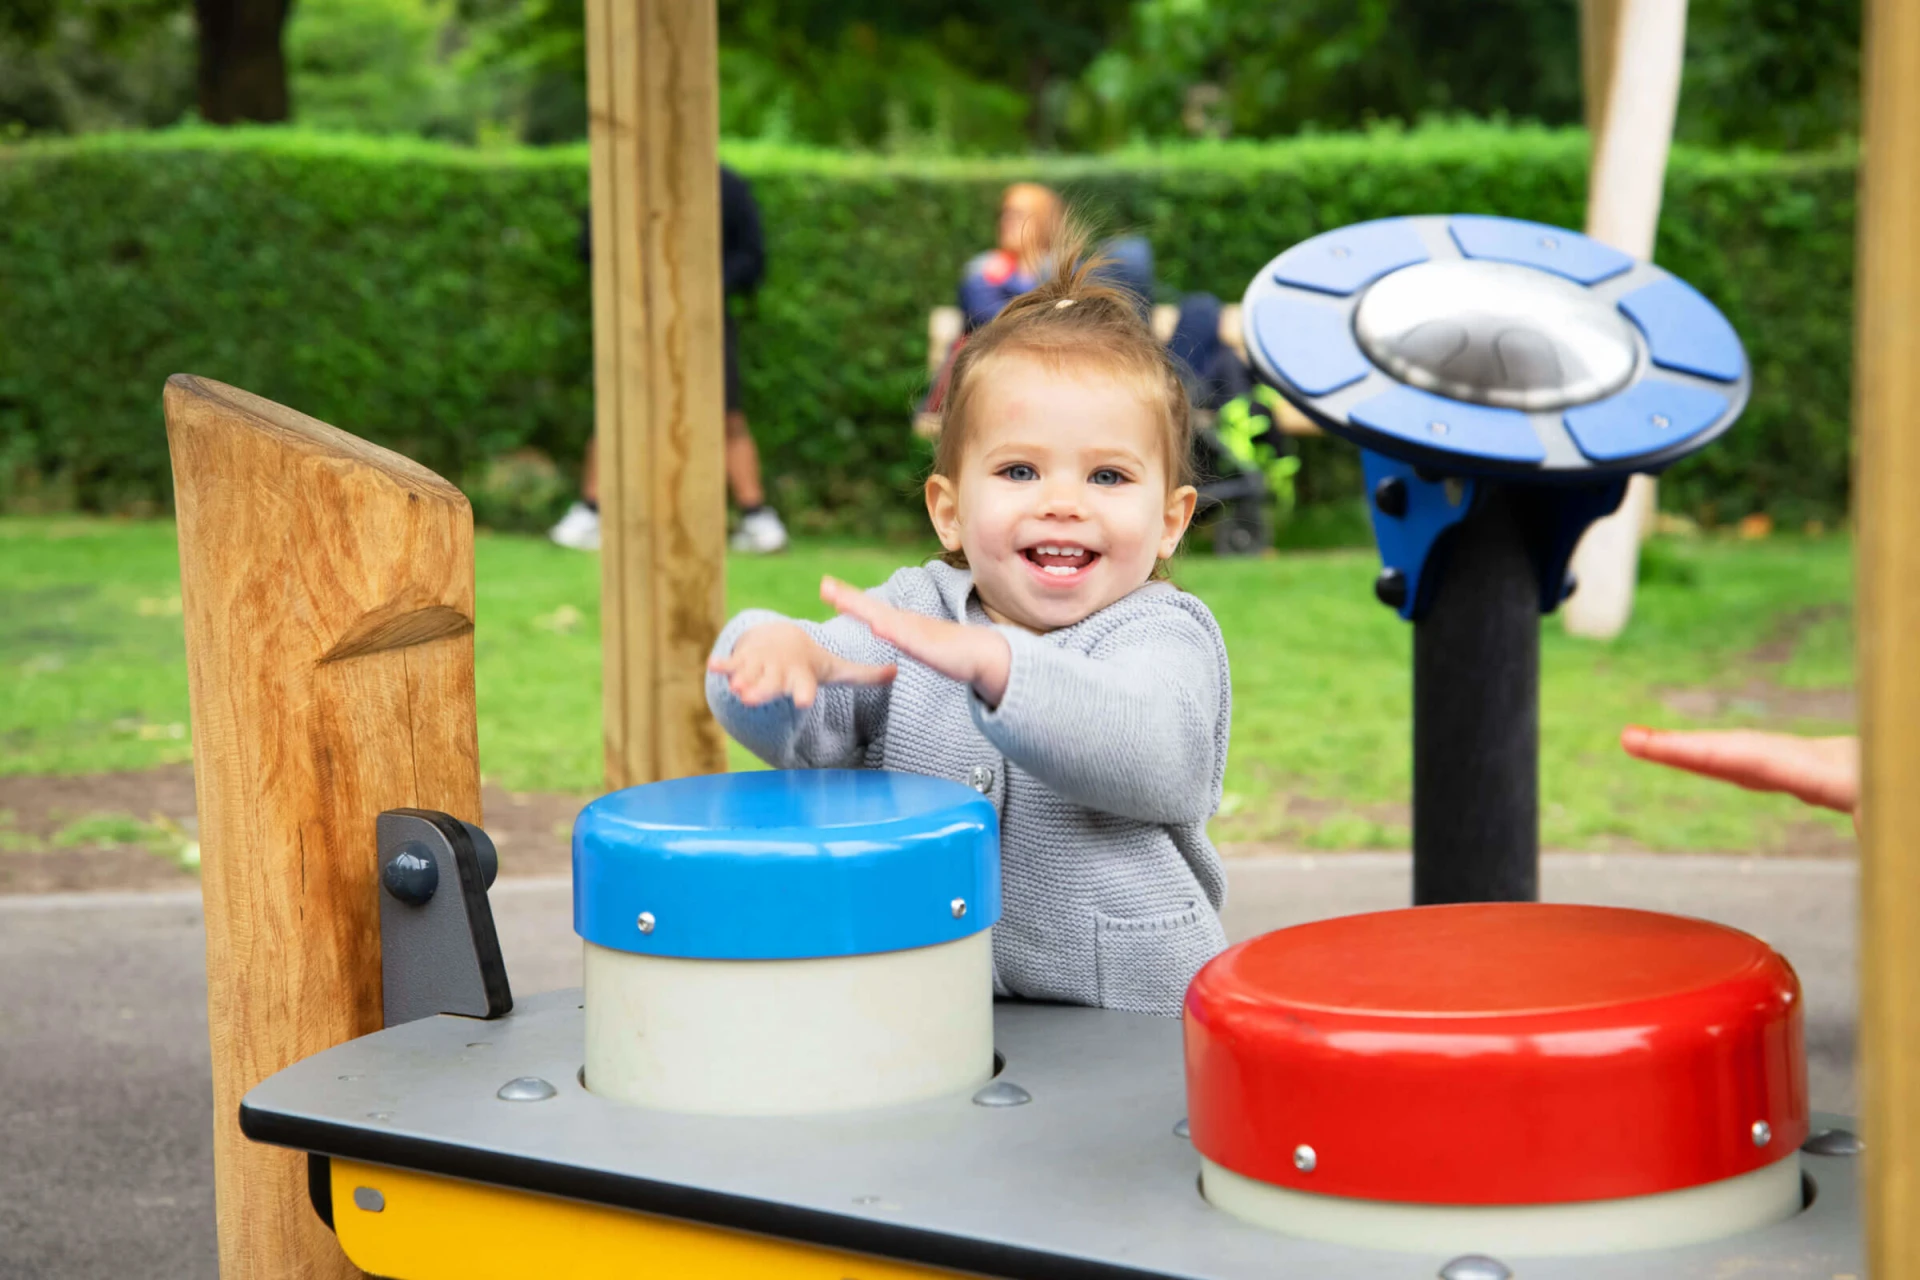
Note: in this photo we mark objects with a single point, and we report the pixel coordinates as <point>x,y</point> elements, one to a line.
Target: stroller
<point>1241,458</point>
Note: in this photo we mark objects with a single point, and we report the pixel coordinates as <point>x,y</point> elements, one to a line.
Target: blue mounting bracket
<point>1413,513</point>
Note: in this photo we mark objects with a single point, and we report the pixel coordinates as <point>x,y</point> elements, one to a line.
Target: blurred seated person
<point>1029,221</point>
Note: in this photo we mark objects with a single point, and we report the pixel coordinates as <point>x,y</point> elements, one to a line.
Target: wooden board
<point>1630,61</point>
<point>328,592</point>
<point>652,73</point>
<point>1886,476</point>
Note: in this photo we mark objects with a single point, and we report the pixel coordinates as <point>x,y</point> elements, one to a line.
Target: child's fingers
<point>723,664</point>
<point>802,686</point>
<point>859,605</point>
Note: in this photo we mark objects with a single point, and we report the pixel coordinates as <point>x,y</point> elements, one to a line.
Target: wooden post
<point>653,113</point>
<point>1630,60</point>
<point>1886,409</point>
<point>328,592</point>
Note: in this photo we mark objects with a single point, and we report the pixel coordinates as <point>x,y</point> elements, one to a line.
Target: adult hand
<point>779,659</point>
<point>977,656</point>
<point>1819,771</point>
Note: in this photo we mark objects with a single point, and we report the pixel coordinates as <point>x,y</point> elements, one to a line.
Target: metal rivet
<point>866,1199</point>
<point>1762,1133</point>
<point>1438,428</point>
<point>959,907</point>
<point>1475,1266</point>
<point>526,1089</point>
<point>1660,421</point>
<point>981,779</point>
<point>1549,242</point>
<point>1339,251</point>
<point>1304,1158</point>
<point>369,1199</point>
<point>1181,1130</point>
<point>379,1115</point>
<point>1390,588</point>
<point>1390,496</point>
<point>1002,1093</point>
<point>1833,1142</point>
<point>646,922</point>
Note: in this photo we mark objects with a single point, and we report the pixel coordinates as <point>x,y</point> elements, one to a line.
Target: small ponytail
<point>1077,317</point>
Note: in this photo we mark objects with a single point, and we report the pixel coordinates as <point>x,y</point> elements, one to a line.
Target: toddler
<point>1043,660</point>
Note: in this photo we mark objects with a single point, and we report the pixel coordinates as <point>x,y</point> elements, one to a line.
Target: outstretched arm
<point>799,694</point>
<point>1819,771</point>
<point>1131,732</point>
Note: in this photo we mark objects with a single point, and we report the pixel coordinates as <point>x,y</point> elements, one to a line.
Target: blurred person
<point>743,266</point>
<point>1029,222</point>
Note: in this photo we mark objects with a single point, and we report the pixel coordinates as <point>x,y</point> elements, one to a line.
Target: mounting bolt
<point>1660,421</point>
<point>526,1089</point>
<point>1762,1133</point>
<point>1438,427</point>
<point>1305,1158</point>
<point>959,907</point>
<point>1475,1266</point>
<point>1390,495</point>
<point>645,922</point>
<point>412,875</point>
<point>1391,588</point>
<point>369,1199</point>
<point>1833,1142</point>
<point>1001,1093</point>
<point>1569,586</point>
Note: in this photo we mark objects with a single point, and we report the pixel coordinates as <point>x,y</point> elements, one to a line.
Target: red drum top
<point>1496,1053</point>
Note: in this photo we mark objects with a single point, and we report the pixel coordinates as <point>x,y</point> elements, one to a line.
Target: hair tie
<point>1063,304</point>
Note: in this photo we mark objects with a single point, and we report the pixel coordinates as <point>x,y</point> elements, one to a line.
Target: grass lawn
<point>1725,633</point>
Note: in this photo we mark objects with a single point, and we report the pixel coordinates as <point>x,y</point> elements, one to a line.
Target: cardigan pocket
<point>1145,963</point>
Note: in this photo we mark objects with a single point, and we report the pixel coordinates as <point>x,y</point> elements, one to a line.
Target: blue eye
<point>1019,471</point>
<point>1107,476</point>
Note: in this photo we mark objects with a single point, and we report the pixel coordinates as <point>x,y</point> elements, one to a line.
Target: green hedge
<point>430,298</point>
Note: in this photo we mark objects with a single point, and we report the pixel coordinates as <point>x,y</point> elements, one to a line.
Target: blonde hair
<point>1073,319</point>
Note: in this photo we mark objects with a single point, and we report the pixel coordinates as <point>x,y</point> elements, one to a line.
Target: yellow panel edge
<point>434,1228</point>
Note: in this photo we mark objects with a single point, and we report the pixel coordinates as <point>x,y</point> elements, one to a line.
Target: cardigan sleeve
<point>844,719</point>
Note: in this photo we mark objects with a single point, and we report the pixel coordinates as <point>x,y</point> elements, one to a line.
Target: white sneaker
<point>760,533</point>
<point>579,529</point>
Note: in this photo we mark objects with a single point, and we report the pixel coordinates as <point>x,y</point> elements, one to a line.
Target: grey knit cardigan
<point>1104,760</point>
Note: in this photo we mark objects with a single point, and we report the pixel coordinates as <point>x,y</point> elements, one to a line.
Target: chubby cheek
<point>988,523</point>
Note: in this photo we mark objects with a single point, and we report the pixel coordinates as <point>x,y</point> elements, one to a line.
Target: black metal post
<point>1476,717</point>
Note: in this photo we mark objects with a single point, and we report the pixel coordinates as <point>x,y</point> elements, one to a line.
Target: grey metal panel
<point>1088,1179</point>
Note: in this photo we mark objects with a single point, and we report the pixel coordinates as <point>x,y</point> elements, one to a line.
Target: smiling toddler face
<point>1062,502</point>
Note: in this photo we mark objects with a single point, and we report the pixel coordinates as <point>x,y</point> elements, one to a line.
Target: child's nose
<point>1062,499</point>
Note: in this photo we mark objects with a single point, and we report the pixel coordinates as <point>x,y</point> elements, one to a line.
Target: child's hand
<point>1820,771</point>
<point>973,655</point>
<point>780,660</point>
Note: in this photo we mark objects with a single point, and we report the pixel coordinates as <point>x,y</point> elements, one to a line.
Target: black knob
<point>1567,588</point>
<point>1390,495</point>
<point>412,875</point>
<point>1391,587</point>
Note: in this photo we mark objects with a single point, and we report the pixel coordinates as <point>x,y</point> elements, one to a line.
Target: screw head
<point>1390,495</point>
<point>369,1199</point>
<point>1833,1142</point>
<point>1660,421</point>
<point>958,907</point>
<point>1182,1130</point>
<point>1001,1093</point>
<point>645,922</point>
<point>1305,1158</point>
<point>1438,428</point>
<point>1762,1133</point>
<point>1339,251</point>
<point>526,1089</point>
<point>1475,1266</point>
<point>1390,588</point>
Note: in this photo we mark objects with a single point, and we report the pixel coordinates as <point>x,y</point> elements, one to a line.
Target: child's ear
<point>943,508</point>
<point>1179,515</point>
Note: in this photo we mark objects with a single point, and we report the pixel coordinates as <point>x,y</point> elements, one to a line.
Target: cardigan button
<point>981,779</point>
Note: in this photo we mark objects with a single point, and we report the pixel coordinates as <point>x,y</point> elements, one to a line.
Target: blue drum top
<point>1488,346</point>
<point>786,864</point>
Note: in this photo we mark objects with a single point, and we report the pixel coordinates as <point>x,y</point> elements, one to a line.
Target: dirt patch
<point>1764,701</point>
<point>1789,629</point>
<point>137,831</point>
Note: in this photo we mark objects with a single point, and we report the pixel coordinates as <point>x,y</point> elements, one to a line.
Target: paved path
<point>105,1119</point>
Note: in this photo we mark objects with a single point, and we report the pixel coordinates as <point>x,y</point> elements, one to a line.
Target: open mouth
<point>1061,560</point>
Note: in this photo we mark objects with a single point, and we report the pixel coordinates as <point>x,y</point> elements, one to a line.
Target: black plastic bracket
<point>438,949</point>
